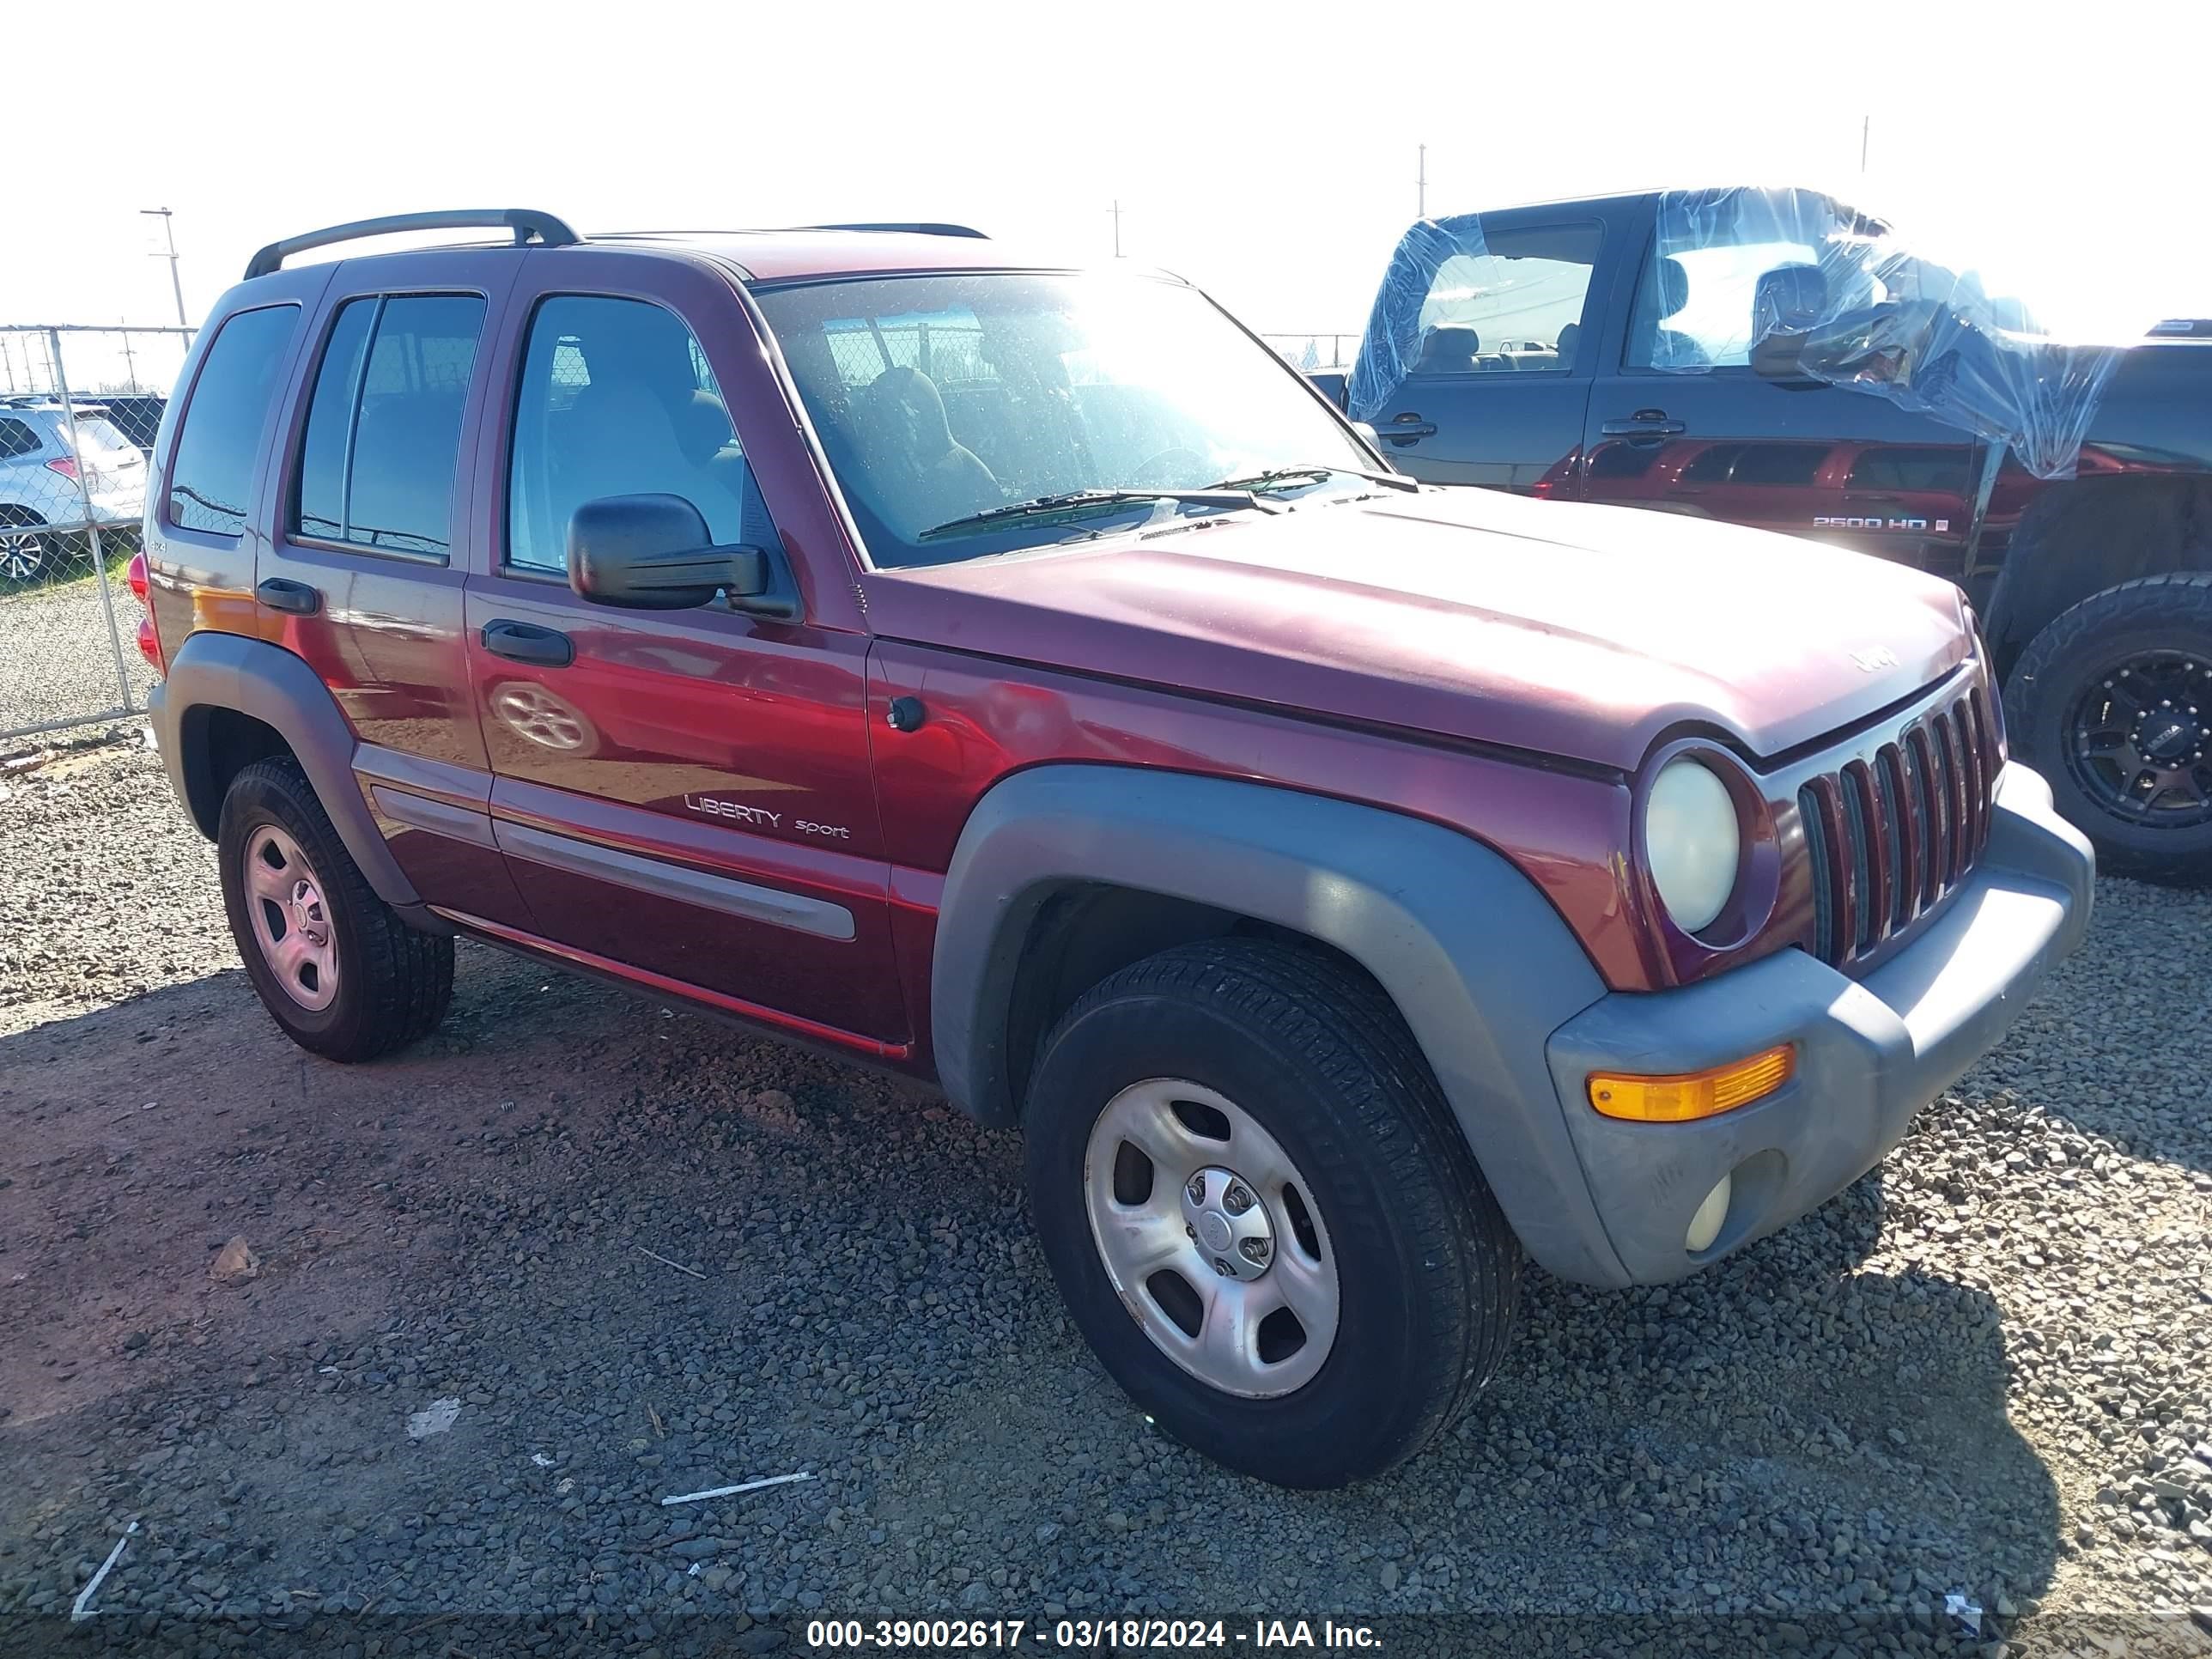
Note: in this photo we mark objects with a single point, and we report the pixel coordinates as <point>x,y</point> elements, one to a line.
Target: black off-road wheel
<point>1262,1215</point>
<point>2112,703</point>
<point>334,965</point>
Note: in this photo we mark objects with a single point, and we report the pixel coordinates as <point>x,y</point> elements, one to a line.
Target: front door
<point>1682,423</point>
<point>682,796</point>
<point>1497,387</point>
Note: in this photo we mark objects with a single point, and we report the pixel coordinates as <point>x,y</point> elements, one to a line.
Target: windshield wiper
<point>1222,499</point>
<point>1276,477</point>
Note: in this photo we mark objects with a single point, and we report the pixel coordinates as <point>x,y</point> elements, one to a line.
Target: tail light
<point>66,466</point>
<point>149,642</point>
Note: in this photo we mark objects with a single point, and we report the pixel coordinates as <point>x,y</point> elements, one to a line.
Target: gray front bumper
<point>1870,1053</point>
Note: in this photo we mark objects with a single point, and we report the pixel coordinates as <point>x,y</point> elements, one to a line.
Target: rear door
<point>684,797</point>
<point>364,574</point>
<point>1498,386</point>
<point>1678,420</point>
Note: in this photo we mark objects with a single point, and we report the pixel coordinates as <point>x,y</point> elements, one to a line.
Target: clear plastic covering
<point>1404,323</point>
<point>1796,285</point>
<point>1788,283</point>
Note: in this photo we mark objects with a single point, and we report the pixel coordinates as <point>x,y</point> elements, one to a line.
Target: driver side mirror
<point>653,553</point>
<point>1774,355</point>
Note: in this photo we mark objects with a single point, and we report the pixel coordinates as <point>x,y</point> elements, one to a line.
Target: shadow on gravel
<point>642,1255</point>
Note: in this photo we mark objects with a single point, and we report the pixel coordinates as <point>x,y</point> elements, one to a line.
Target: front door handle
<point>1406,429</point>
<point>282,593</point>
<point>522,641</point>
<point>1644,423</point>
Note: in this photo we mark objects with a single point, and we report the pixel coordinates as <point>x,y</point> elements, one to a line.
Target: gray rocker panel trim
<point>228,670</point>
<point>732,897</point>
<point>1476,959</point>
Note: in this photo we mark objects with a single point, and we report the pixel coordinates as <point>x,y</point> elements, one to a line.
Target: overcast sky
<point>1266,152</point>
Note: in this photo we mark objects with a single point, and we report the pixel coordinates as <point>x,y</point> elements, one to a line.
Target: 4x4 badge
<point>1874,656</point>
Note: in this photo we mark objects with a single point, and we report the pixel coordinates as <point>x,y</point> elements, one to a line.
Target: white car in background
<point>46,481</point>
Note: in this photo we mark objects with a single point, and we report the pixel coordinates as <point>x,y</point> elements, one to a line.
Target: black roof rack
<point>922,229</point>
<point>525,222</point>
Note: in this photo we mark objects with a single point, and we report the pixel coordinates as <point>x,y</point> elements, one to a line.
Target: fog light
<point>1706,1225</point>
<point>1686,1095</point>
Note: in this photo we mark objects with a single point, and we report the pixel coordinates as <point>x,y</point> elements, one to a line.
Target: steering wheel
<point>1142,474</point>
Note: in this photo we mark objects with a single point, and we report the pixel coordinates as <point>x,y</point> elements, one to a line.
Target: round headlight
<point>1693,841</point>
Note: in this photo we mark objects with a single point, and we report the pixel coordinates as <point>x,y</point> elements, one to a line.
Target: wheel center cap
<point>1228,1224</point>
<point>2171,739</point>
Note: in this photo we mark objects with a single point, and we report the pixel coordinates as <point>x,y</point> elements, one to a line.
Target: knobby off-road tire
<point>2117,690</point>
<point>333,964</point>
<point>1299,1078</point>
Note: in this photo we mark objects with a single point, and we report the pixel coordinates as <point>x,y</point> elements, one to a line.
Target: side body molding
<point>1476,959</point>
<point>214,670</point>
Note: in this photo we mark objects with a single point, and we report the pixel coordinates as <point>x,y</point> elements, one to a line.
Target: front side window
<point>942,396</point>
<point>616,399</point>
<point>213,467</point>
<point>384,427</point>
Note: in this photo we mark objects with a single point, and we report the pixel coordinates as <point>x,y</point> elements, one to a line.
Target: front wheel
<point>1260,1211</point>
<point>2112,703</point>
<point>334,965</point>
<point>22,554</point>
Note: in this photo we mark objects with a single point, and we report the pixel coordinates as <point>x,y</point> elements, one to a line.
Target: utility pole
<point>1117,227</point>
<point>1866,132</point>
<point>1421,184</point>
<point>169,229</point>
<point>130,363</point>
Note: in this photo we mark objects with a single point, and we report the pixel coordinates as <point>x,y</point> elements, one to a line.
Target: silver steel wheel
<point>21,556</point>
<point>1212,1238</point>
<point>291,922</point>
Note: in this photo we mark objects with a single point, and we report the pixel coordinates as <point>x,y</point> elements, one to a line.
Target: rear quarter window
<point>212,471</point>
<point>17,439</point>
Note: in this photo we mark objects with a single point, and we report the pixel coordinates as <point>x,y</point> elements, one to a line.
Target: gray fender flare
<point>1478,963</point>
<point>228,670</point>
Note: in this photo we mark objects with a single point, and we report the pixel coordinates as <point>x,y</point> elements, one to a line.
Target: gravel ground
<point>1986,1369</point>
<point>56,661</point>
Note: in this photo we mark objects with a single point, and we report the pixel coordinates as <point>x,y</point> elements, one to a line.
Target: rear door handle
<point>1644,423</point>
<point>522,641</point>
<point>1406,429</point>
<point>282,593</point>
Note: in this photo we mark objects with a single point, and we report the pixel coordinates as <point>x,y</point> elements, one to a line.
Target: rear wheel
<point>1254,1199</point>
<point>333,964</point>
<point>2112,703</point>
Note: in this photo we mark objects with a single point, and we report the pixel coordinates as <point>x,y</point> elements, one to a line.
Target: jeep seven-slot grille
<point>1889,834</point>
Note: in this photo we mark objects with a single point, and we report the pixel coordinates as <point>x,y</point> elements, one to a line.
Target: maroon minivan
<point>1019,677</point>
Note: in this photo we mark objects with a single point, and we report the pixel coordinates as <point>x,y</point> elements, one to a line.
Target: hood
<point>1580,631</point>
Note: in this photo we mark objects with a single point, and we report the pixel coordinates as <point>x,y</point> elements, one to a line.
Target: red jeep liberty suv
<point>1022,679</point>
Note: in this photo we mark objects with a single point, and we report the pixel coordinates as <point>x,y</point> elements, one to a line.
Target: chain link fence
<point>79,408</point>
<point>1314,351</point>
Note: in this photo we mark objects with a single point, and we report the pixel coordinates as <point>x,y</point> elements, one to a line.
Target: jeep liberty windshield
<point>967,414</point>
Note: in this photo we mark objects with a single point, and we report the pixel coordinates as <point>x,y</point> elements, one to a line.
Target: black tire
<point>393,982</point>
<point>1429,1271</point>
<point>2164,620</point>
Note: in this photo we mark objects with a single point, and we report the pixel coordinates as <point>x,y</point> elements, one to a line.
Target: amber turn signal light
<point>1689,1095</point>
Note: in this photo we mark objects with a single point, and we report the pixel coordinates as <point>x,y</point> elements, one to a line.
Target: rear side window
<point>214,464</point>
<point>384,427</point>
<point>17,438</point>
